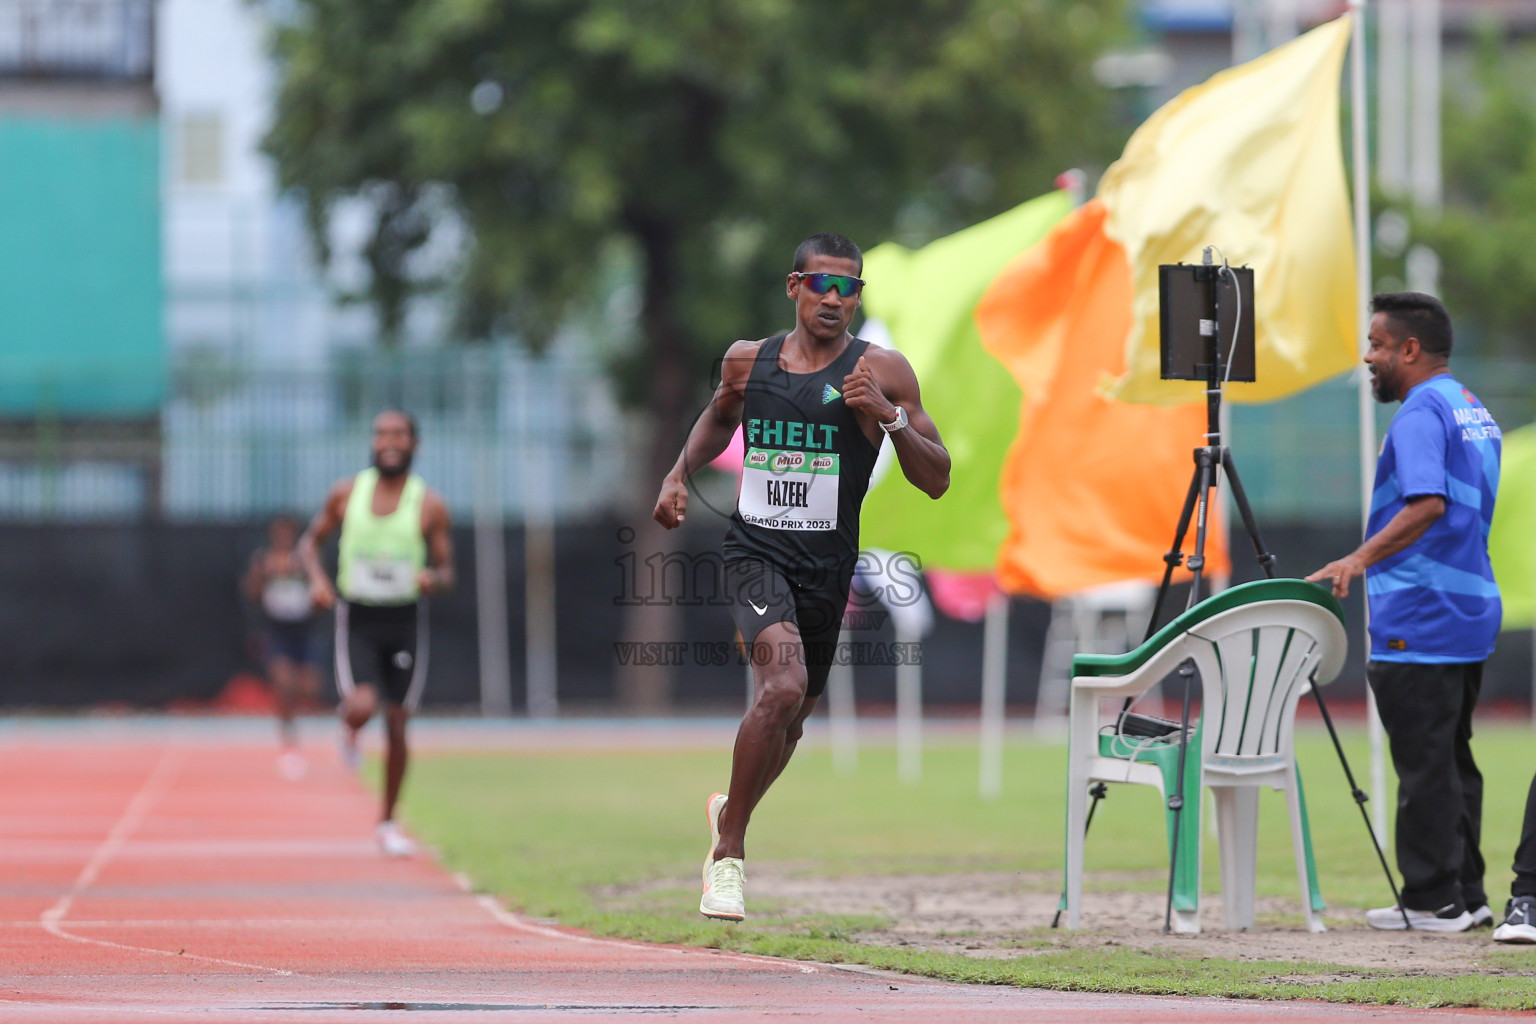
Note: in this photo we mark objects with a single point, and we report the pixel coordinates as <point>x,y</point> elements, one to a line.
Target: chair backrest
<point>1257,647</point>
<point>1255,663</point>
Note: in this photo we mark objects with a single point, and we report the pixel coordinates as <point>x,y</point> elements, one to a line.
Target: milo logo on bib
<point>789,490</point>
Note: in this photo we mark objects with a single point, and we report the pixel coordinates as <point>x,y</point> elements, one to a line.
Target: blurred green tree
<point>1483,234</point>
<point>697,141</point>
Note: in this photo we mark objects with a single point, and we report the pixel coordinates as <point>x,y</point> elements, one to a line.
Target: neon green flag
<point>926,299</point>
<point>1249,161</point>
<point>1512,542</point>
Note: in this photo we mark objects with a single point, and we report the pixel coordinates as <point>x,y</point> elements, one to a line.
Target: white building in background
<point>241,282</point>
<point>241,278</point>
<point>274,381</point>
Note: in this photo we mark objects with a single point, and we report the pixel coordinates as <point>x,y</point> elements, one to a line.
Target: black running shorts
<point>288,640</point>
<point>761,594</point>
<point>383,646</point>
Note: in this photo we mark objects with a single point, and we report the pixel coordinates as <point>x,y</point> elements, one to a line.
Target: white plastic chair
<point>1256,648</point>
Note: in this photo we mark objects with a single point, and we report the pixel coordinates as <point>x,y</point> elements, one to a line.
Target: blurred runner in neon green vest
<point>395,549</point>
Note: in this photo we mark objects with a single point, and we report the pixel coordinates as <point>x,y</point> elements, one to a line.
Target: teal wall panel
<point>80,278</point>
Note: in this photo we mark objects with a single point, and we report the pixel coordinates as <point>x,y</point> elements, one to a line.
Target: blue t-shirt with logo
<point>1436,601</point>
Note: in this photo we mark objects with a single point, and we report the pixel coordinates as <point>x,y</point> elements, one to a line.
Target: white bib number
<point>379,580</point>
<point>789,490</point>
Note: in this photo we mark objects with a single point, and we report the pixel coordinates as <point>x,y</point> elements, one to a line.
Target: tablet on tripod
<point>1192,338</point>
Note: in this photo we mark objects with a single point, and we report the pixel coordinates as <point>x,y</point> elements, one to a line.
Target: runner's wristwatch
<point>897,424</point>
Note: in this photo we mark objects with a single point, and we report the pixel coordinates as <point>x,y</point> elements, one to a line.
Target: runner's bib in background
<point>789,490</point>
<point>379,558</point>
<point>378,579</point>
<point>286,599</point>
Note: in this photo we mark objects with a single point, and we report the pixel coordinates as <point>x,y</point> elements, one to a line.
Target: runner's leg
<point>354,656</point>
<point>284,675</point>
<point>395,718</point>
<point>791,739</point>
<point>358,706</point>
<point>819,615</point>
<point>762,742</point>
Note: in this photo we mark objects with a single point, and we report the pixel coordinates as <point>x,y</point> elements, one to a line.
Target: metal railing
<point>1299,457</point>
<point>246,442</point>
<point>501,432</point>
<point>500,428</point>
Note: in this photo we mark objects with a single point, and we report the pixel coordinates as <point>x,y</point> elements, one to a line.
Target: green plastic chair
<point>1256,649</point>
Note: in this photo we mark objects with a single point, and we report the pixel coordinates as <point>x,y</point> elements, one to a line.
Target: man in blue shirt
<point>1434,607</point>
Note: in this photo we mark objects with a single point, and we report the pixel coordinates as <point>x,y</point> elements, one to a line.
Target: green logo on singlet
<point>790,434</point>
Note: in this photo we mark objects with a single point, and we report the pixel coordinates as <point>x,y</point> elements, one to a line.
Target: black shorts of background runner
<point>287,640</point>
<point>762,594</point>
<point>384,646</point>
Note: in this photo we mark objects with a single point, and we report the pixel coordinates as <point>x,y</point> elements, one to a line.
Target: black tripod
<point>1211,460</point>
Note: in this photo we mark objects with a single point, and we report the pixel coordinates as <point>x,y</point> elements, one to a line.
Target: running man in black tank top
<point>816,405</point>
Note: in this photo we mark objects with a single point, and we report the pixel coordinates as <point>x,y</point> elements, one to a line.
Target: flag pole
<point>1366,410</point>
<point>994,694</point>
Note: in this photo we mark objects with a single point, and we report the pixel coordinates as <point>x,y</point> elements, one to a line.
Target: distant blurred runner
<point>395,549</point>
<point>816,403</point>
<point>277,584</point>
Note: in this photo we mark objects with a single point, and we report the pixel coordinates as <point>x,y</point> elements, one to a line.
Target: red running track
<point>179,878</point>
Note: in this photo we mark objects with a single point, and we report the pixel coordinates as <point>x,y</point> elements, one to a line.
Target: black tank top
<point>805,472</point>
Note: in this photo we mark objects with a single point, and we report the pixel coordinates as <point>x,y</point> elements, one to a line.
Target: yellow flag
<point>1250,162</point>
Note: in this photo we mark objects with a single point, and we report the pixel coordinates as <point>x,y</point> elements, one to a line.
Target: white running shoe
<point>1519,922</point>
<point>1447,919</point>
<point>723,899</point>
<point>292,765</point>
<point>392,841</point>
<point>714,810</point>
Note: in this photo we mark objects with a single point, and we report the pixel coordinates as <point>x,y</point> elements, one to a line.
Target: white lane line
<point>33,851</point>
<point>154,789</point>
<point>513,921</point>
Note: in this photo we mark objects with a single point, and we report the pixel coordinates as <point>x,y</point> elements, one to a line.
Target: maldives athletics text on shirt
<point>1436,601</point>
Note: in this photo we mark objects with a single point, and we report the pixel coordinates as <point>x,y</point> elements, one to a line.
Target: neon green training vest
<point>379,557</point>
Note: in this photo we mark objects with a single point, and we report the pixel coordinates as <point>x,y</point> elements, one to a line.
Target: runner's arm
<point>255,576</point>
<point>321,590</point>
<point>439,575</point>
<point>883,380</point>
<point>710,434</point>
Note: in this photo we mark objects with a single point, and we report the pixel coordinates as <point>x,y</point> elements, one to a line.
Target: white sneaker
<point>1519,922</point>
<point>1446,919</point>
<point>723,898</point>
<point>292,765</point>
<point>392,841</point>
<point>714,810</point>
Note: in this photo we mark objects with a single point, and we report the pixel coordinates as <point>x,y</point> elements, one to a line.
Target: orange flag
<point>1093,487</point>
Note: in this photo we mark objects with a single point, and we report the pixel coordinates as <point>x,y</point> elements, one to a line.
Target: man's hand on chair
<point>1339,574</point>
